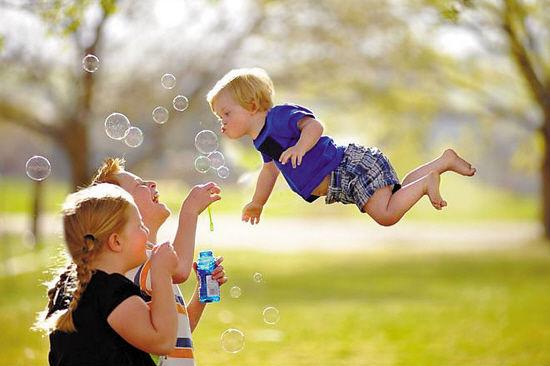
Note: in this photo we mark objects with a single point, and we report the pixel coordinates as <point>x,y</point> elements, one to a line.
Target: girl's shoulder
<point>102,281</point>
<point>108,290</point>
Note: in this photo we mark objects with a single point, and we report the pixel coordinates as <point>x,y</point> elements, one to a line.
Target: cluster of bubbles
<point>206,143</point>
<point>38,168</point>
<point>232,339</point>
<point>118,127</point>
<point>180,102</point>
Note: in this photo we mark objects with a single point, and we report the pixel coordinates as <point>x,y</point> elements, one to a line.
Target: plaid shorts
<point>361,172</point>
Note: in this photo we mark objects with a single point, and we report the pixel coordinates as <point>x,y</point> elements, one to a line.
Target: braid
<point>57,298</point>
<point>56,292</point>
<point>83,276</point>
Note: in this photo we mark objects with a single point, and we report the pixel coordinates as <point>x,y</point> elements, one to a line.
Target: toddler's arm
<point>200,197</point>
<point>264,187</point>
<point>311,131</point>
<point>151,327</point>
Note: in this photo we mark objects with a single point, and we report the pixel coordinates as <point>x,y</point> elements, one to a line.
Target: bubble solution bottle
<point>209,288</point>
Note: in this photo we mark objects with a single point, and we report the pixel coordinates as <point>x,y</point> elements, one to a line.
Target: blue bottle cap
<point>206,253</point>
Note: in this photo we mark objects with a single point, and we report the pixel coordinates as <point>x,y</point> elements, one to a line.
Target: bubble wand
<point>210,217</point>
<point>206,142</point>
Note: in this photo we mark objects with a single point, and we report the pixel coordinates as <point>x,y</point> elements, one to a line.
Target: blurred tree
<point>51,95</point>
<point>46,91</point>
<point>67,127</point>
<point>362,67</point>
<point>345,59</point>
<point>519,31</point>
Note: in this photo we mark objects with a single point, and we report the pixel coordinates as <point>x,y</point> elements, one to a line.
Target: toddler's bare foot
<point>456,164</point>
<point>432,189</point>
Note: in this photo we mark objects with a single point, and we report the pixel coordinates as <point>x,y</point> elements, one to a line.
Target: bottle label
<point>212,287</point>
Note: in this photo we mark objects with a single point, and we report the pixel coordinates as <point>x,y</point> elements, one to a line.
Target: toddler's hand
<point>218,274</point>
<point>252,212</point>
<point>295,155</point>
<point>164,259</point>
<point>200,197</point>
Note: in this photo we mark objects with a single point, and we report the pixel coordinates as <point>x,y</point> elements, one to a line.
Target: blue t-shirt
<point>281,132</point>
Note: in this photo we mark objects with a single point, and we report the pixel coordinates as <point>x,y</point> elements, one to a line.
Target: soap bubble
<point>90,63</point>
<point>116,126</point>
<point>271,315</point>
<point>235,292</point>
<point>217,159</point>
<point>38,168</point>
<point>232,340</point>
<point>206,141</point>
<point>258,277</point>
<point>134,138</point>
<point>180,103</point>
<point>160,115</point>
<point>223,172</point>
<point>168,81</point>
<point>202,164</point>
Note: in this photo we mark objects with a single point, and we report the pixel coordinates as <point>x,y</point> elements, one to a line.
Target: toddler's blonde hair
<point>252,88</point>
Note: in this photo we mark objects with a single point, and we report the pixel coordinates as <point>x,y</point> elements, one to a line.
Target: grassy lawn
<point>468,201</point>
<point>408,308</point>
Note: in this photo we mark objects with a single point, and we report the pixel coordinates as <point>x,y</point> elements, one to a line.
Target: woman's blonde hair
<point>90,216</point>
<point>252,88</point>
<point>108,170</point>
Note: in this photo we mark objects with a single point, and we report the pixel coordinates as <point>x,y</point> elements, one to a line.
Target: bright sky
<point>456,41</point>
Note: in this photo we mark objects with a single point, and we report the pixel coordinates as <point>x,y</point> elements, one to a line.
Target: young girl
<point>290,141</point>
<point>92,301</point>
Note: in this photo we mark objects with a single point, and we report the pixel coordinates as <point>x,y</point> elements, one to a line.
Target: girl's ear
<point>114,243</point>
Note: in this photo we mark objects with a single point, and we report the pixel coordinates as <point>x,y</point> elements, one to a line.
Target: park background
<point>466,286</point>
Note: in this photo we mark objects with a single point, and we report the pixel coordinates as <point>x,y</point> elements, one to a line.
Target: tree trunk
<point>74,140</point>
<point>545,186</point>
<point>36,213</point>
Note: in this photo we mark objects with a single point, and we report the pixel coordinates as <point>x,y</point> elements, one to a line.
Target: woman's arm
<point>200,197</point>
<point>195,308</point>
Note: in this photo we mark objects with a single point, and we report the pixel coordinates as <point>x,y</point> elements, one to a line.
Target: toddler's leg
<point>387,208</point>
<point>448,161</point>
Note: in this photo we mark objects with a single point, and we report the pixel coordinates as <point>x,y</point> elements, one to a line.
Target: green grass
<point>468,201</point>
<point>16,195</point>
<point>376,308</point>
